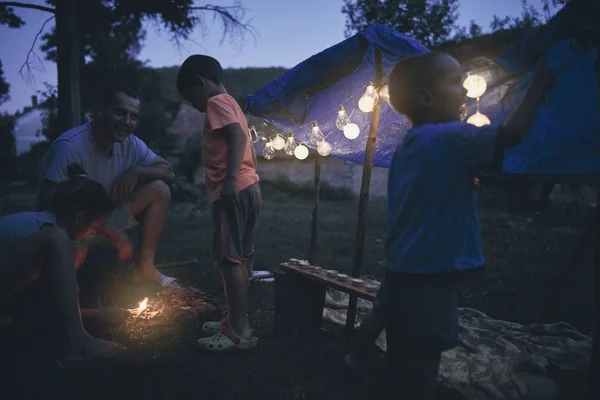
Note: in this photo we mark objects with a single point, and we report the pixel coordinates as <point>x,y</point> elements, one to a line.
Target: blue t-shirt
<point>432,204</point>
<point>24,223</point>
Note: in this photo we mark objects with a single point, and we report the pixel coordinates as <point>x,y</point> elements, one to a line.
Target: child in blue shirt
<point>434,234</point>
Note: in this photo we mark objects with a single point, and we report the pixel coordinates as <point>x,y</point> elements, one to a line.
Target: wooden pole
<point>314,228</point>
<point>363,200</point>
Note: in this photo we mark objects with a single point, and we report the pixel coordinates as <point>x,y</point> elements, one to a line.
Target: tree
<point>7,140</point>
<point>429,21</point>
<point>72,41</point>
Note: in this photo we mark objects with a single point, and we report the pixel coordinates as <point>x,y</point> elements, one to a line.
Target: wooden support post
<point>363,200</point>
<point>314,228</point>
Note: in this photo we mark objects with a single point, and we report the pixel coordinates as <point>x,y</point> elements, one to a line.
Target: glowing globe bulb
<point>369,99</point>
<point>478,119</point>
<point>324,149</point>
<point>351,131</point>
<point>269,151</point>
<point>475,85</point>
<point>301,152</point>
<point>278,142</point>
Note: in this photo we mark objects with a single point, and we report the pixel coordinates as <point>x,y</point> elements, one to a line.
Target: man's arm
<point>236,141</point>
<point>519,123</point>
<point>159,170</point>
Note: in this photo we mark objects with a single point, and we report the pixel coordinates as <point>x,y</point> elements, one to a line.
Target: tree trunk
<point>69,49</point>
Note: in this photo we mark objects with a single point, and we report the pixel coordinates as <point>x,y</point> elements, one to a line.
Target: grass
<point>525,254</point>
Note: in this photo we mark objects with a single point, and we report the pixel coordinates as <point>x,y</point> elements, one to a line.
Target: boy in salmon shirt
<point>229,163</point>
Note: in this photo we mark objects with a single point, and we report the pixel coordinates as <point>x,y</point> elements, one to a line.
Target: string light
<point>475,85</point>
<point>301,152</point>
<point>316,136</point>
<point>369,99</point>
<point>324,148</point>
<point>290,144</point>
<point>351,131</point>
<point>342,118</point>
<point>478,119</point>
<point>278,142</point>
<point>269,151</point>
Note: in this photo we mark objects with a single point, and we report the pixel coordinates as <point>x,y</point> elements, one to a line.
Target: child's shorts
<point>234,229</point>
<point>421,309</point>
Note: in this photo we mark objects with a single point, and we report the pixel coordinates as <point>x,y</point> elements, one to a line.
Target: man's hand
<point>125,184</point>
<point>229,192</point>
<point>119,241</point>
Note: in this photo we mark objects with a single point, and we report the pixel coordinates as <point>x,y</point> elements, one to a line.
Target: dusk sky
<point>287,33</point>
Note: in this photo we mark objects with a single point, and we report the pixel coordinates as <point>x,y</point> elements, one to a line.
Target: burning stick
<point>136,312</point>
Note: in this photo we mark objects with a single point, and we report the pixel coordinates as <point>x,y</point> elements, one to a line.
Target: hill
<point>239,82</point>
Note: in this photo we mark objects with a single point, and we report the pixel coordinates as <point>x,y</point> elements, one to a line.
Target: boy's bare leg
<point>235,278</point>
<point>53,250</point>
<point>150,201</point>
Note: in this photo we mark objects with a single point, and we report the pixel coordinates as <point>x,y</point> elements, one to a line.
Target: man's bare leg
<point>50,254</point>
<point>150,202</point>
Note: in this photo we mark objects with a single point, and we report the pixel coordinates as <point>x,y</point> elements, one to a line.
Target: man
<point>135,176</point>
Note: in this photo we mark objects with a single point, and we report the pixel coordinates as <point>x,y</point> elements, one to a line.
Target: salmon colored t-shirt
<point>223,110</point>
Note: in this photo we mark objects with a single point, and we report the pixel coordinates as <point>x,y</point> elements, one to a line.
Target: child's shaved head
<point>411,75</point>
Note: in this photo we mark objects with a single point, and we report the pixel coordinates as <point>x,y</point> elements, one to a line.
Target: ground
<point>526,254</point>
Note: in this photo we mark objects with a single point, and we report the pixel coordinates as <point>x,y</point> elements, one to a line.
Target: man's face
<point>120,117</point>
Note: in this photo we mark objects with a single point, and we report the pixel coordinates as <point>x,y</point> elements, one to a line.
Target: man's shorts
<point>121,218</point>
<point>234,229</point>
<point>419,310</point>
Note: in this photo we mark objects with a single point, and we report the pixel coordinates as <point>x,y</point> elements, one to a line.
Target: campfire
<point>144,310</point>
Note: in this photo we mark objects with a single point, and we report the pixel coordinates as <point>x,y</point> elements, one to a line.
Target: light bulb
<point>269,151</point>
<point>342,119</point>
<point>316,135</point>
<point>324,148</point>
<point>351,131</point>
<point>261,136</point>
<point>253,135</point>
<point>290,145</point>
<point>478,119</point>
<point>301,152</point>
<point>475,85</point>
<point>369,99</point>
<point>278,142</point>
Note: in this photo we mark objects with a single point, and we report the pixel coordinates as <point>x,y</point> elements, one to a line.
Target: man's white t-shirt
<point>77,146</point>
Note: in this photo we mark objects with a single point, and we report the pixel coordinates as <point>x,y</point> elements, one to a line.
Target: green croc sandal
<point>222,342</point>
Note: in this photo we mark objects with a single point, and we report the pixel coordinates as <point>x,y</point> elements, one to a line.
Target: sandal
<point>214,326</point>
<point>226,340</point>
<point>217,326</point>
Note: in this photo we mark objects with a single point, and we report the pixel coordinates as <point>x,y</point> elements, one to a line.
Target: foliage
<point>429,21</point>
<point>4,86</point>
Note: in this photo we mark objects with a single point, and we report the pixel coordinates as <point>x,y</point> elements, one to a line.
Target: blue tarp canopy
<point>564,141</point>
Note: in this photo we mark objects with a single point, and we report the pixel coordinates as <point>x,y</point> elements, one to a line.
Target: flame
<point>143,304</point>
